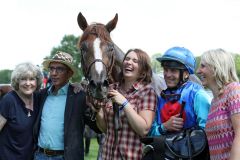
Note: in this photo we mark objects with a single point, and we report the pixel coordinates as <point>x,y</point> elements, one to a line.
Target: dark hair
<point>144,65</point>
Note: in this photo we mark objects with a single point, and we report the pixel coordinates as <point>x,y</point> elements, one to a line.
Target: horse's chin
<point>98,94</point>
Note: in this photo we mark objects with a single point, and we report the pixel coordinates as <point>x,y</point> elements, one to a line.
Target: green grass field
<point>93,151</point>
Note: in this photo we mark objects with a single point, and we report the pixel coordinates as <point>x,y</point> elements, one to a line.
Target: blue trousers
<point>41,156</point>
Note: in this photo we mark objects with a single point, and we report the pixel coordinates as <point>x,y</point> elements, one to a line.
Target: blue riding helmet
<point>180,55</point>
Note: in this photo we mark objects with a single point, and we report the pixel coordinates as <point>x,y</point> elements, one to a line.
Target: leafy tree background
<point>69,44</point>
<point>5,76</point>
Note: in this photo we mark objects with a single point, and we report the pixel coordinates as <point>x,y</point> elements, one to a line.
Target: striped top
<point>219,128</point>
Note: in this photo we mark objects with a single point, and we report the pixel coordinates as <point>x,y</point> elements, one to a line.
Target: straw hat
<point>61,57</point>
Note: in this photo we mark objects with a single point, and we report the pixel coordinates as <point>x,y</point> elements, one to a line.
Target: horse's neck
<point>119,55</point>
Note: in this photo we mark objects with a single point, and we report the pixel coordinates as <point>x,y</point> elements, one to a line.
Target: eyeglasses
<point>58,70</point>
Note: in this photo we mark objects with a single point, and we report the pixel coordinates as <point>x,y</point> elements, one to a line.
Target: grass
<point>93,151</point>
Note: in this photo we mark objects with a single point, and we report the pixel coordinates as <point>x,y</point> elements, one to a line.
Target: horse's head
<point>98,55</point>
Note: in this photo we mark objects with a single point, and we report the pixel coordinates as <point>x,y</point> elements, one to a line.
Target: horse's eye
<point>83,48</point>
<point>110,48</point>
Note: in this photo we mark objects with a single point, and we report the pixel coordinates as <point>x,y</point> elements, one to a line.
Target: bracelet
<point>124,104</point>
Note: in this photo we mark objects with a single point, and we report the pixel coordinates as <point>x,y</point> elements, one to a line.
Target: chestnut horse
<point>4,89</point>
<point>101,58</point>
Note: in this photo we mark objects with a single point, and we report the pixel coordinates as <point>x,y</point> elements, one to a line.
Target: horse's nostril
<point>105,83</point>
<point>93,84</point>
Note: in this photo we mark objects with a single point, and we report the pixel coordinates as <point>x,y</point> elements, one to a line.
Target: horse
<point>101,58</point>
<point>4,89</point>
<point>101,62</point>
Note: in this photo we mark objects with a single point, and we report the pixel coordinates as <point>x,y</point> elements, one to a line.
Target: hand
<point>175,123</point>
<point>116,96</point>
<point>77,87</point>
<point>95,104</point>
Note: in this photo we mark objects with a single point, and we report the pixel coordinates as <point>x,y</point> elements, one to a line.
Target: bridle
<point>86,70</point>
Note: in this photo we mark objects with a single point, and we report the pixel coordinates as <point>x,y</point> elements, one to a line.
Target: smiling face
<point>131,67</point>
<point>27,85</point>
<point>206,74</point>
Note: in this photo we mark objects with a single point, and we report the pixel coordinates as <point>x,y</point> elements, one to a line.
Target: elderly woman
<point>18,110</point>
<point>217,72</point>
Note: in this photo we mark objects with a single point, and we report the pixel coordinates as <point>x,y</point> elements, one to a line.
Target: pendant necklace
<point>29,113</point>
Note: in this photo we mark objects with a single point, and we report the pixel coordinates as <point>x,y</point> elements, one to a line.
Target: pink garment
<point>219,128</point>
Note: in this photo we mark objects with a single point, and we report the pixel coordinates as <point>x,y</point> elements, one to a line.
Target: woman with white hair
<point>217,72</point>
<point>18,111</point>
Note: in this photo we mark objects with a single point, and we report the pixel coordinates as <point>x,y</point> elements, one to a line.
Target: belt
<point>50,152</point>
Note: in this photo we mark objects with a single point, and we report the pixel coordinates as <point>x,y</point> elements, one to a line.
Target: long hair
<point>144,65</point>
<point>222,65</point>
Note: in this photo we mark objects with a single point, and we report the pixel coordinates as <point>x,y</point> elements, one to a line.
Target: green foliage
<point>5,76</point>
<point>237,63</point>
<point>156,66</point>
<point>69,44</point>
<point>93,151</point>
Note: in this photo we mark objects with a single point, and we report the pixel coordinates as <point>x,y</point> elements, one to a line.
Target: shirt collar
<point>61,91</point>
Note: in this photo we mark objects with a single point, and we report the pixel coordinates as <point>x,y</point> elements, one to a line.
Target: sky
<point>29,29</point>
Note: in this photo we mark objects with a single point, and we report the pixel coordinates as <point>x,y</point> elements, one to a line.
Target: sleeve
<point>233,99</point>
<point>202,102</point>
<point>157,129</point>
<point>149,100</point>
<point>5,106</point>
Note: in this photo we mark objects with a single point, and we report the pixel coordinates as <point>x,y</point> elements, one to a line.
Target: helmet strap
<point>182,79</point>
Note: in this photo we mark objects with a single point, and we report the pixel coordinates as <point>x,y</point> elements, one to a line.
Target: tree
<point>156,66</point>
<point>5,76</point>
<point>237,63</point>
<point>69,44</point>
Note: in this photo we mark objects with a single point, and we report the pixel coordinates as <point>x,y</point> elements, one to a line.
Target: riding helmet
<point>178,58</point>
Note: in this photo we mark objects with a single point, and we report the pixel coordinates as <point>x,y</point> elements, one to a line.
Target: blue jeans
<point>41,156</point>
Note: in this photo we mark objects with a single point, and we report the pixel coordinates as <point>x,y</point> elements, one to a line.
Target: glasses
<point>58,70</point>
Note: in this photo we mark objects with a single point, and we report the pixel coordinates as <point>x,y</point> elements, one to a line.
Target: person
<point>137,103</point>
<point>217,72</point>
<point>18,111</point>
<point>100,140</point>
<point>59,127</point>
<point>184,103</point>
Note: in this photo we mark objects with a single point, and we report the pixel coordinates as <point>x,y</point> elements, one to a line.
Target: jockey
<point>184,103</point>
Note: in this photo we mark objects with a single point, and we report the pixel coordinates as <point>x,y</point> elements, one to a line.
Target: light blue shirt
<point>51,135</point>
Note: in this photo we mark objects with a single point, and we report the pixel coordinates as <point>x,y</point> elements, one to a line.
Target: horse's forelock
<point>97,30</point>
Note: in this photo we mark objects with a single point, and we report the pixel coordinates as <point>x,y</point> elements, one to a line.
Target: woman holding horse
<point>137,102</point>
<point>18,111</point>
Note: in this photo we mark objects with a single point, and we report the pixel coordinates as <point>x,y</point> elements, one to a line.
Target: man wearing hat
<point>59,127</point>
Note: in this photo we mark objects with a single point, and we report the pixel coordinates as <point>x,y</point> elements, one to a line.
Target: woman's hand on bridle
<point>116,96</point>
<point>95,104</point>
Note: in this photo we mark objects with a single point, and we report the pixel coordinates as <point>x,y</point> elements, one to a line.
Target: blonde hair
<point>24,70</point>
<point>222,65</point>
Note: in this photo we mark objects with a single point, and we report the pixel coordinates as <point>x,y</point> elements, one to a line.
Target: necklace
<point>29,113</point>
<point>28,103</point>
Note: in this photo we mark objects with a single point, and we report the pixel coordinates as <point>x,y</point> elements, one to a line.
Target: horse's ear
<point>112,24</point>
<point>82,22</point>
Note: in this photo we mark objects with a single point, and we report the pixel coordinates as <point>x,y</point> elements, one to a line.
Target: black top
<point>16,138</point>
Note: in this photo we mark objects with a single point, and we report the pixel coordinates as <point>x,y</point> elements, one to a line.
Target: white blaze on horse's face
<point>98,55</point>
